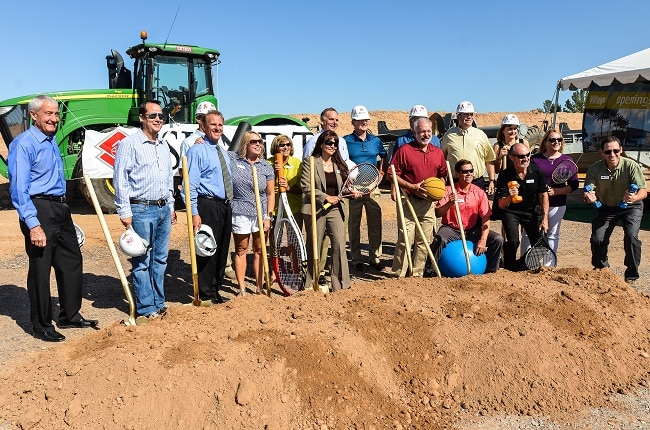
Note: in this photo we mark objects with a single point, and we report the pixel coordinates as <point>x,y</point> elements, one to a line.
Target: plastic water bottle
<point>589,188</point>
<point>633,190</point>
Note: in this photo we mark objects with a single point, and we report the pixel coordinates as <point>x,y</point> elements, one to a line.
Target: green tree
<point>548,106</point>
<point>577,102</point>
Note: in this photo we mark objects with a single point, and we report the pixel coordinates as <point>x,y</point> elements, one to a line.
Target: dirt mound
<point>413,353</point>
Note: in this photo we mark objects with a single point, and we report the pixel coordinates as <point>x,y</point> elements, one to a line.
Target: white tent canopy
<point>625,70</point>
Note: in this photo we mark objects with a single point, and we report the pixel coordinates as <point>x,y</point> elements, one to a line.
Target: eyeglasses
<point>466,171</point>
<point>522,156</point>
<point>283,145</point>
<point>154,115</point>
<point>331,143</point>
<point>609,151</point>
<point>255,142</point>
<point>556,139</point>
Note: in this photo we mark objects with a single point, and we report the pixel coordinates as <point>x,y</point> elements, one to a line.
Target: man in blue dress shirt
<point>37,187</point>
<point>210,195</point>
<point>144,183</point>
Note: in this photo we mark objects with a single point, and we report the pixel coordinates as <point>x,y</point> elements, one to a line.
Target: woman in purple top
<point>551,155</point>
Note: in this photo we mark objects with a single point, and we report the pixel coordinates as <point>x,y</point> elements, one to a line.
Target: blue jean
<point>153,224</point>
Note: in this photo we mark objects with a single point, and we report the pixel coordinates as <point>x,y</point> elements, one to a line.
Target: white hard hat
<point>465,107</point>
<point>360,113</point>
<point>204,242</point>
<point>418,111</point>
<point>133,245</point>
<point>205,107</point>
<point>81,237</point>
<point>510,119</point>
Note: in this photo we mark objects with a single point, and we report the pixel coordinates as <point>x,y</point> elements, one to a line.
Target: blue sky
<point>302,56</point>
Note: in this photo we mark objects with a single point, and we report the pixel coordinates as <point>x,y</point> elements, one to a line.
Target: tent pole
<point>555,105</point>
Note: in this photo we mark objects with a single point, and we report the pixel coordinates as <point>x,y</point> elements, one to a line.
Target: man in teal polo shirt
<point>365,147</point>
<point>610,181</point>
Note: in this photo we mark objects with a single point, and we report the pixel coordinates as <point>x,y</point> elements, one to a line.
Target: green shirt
<point>610,185</point>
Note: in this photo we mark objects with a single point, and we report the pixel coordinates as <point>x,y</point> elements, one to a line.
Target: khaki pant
<point>425,212</point>
<point>374,221</point>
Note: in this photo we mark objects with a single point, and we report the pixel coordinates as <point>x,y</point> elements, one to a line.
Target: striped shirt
<point>143,170</point>
<point>243,202</point>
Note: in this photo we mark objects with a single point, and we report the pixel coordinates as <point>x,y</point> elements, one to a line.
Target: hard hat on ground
<point>465,107</point>
<point>510,119</point>
<point>81,237</point>
<point>204,242</point>
<point>205,107</point>
<point>418,111</point>
<point>434,187</point>
<point>132,244</point>
<point>360,113</point>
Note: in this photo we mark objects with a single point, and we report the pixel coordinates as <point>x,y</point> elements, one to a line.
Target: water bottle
<point>633,189</point>
<point>589,188</point>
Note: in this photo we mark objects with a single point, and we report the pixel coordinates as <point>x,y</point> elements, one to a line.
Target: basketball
<point>452,260</point>
<point>434,187</point>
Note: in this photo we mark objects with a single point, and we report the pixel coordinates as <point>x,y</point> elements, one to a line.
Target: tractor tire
<point>534,137</point>
<point>105,194</point>
<point>103,190</point>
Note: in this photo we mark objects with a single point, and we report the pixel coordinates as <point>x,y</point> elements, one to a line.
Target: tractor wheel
<point>534,137</point>
<point>103,190</point>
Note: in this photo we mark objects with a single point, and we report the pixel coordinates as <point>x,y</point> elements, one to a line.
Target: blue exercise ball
<point>452,260</point>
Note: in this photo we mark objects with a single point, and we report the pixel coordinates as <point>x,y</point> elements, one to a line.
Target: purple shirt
<point>547,167</point>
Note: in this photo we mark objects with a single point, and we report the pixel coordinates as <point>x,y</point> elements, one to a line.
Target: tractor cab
<point>177,76</point>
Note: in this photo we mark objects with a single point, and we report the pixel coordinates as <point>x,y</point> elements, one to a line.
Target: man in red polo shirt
<point>414,162</point>
<point>475,213</point>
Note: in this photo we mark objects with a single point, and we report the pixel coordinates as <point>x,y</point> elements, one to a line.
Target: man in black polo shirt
<point>531,212</point>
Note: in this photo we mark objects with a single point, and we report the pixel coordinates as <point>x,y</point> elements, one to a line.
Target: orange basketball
<point>435,188</point>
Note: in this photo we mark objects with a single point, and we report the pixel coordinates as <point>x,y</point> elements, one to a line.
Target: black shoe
<point>82,323</point>
<point>358,267</point>
<point>322,280</point>
<point>378,266</point>
<point>163,310</point>
<point>49,336</point>
<point>217,299</point>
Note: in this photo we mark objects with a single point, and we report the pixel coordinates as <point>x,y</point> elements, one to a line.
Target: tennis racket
<point>564,171</point>
<point>362,179</point>
<point>540,254</point>
<point>288,253</point>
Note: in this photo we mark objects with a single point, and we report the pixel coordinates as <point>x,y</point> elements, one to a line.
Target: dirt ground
<point>566,348</point>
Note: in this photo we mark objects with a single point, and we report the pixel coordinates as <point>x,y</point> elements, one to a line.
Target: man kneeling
<point>475,213</point>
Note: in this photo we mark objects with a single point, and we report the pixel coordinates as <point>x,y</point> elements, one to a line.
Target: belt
<point>160,202</point>
<point>60,199</point>
<point>216,199</point>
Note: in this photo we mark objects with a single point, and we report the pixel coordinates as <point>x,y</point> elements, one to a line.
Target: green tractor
<point>178,76</point>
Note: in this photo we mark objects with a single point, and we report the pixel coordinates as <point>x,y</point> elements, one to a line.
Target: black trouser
<point>601,230</point>
<point>511,222</point>
<point>62,253</point>
<point>493,243</point>
<point>211,270</point>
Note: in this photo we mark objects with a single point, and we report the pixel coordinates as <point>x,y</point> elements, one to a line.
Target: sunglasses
<point>283,145</point>
<point>255,142</point>
<point>556,139</point>
<point>522,156</point>
<point>609,151</point>
<point>331,143</point>
<point>466,171</point>
<point>154,115</point>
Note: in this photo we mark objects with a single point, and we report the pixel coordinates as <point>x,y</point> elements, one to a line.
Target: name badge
<point>460,200</point>
<point>530,181</point>
<point>605,177</point>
